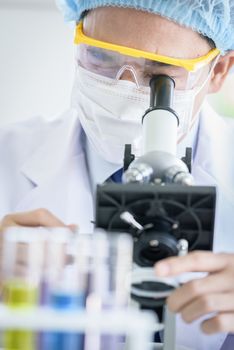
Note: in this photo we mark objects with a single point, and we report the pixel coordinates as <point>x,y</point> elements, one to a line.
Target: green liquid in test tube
<point>19,295</point>
<point>22,261</point>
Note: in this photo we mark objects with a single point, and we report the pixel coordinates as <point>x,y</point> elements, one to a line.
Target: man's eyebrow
<point>159,64</point>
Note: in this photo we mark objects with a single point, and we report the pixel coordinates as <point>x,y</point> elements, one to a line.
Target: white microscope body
<point>158,205</point>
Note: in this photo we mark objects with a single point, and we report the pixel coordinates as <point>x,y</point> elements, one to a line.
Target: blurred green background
<point>223,102</point>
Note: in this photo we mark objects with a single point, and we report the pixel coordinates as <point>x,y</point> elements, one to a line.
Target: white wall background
<point>37,65</point>
<point>36,60</point>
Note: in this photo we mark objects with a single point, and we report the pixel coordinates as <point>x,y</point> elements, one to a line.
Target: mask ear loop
<point>199,89</point>
<point>212,67</point>
<point>129,69</point>
<point>209,75</point>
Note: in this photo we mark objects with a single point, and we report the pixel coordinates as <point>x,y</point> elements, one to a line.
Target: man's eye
<point>99,55</point>
<point>148,75</point>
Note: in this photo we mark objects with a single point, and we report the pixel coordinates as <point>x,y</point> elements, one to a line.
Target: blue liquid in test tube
<point>67,293</point>
<point>65,302</point>
<point>56,240</point>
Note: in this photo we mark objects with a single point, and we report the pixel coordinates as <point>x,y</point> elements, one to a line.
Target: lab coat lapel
<point>212,159</point>
<point>58,168</point>
<point>213,165</point>
<point>59,174</point>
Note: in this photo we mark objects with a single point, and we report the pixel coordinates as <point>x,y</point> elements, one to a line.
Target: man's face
<point>147,32</point>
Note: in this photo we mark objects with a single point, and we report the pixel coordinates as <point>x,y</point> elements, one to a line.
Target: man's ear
<point>220,72</point>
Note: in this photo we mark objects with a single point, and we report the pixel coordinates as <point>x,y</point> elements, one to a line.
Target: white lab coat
<point>43,165</point>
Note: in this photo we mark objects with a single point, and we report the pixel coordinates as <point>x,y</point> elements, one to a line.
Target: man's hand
<point>211,294</point>
<point>35,218</point>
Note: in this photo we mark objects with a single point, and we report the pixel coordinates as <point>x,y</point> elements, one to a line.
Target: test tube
<point>22,259</point>
<point>83,255</point>
<point>64,296</point>
<point>112,268</point>
<point>110,283</point>
<point>56,241</point>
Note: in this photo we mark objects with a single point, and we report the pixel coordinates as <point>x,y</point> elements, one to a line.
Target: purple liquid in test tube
<point>109,287</point>
<point>109,341</point>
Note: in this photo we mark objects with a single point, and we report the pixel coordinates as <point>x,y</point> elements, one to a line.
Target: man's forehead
<point>144,31</point>
<point>213,19</point>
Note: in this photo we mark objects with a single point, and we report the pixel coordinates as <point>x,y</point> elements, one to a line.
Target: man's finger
<point>193,262</point>
<point>39,217</point>
<point>221,282</point>
<point>73,227</point>
<point>206,304</point>
<point>223,322</point>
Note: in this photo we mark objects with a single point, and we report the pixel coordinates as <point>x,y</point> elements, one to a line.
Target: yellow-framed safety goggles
<point>191,65</point>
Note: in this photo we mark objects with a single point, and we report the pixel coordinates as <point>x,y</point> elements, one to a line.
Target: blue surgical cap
<point>212,18</point>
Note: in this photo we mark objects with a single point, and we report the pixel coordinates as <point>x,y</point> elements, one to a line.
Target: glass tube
<point>112,265</point>
<point>83,255</point>
<point>56,242</point>
<point>63,293</point>
<point>22,260</point>
<point>109,283</point>
<point>55,254</point>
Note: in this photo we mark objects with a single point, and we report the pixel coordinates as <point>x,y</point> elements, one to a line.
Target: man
<point>121,44</point>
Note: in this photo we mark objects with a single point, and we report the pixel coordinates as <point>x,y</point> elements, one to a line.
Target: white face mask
<point>111,113</point>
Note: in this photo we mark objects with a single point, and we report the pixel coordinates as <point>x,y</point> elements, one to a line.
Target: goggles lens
<point>117,66</point>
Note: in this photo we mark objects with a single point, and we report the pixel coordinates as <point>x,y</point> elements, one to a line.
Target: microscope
<point>158,204</point>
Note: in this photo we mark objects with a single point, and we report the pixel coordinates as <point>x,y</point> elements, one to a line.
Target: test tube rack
<point>138,326</point>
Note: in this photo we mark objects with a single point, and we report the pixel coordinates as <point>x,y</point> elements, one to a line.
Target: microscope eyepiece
<point>162,91</point>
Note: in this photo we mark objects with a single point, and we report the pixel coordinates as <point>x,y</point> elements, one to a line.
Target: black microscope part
<point>162,91</point>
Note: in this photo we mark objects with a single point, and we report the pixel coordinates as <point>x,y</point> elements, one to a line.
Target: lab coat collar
<point>100,169</point>
<point>212,163</point>
<point>62,142</point>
